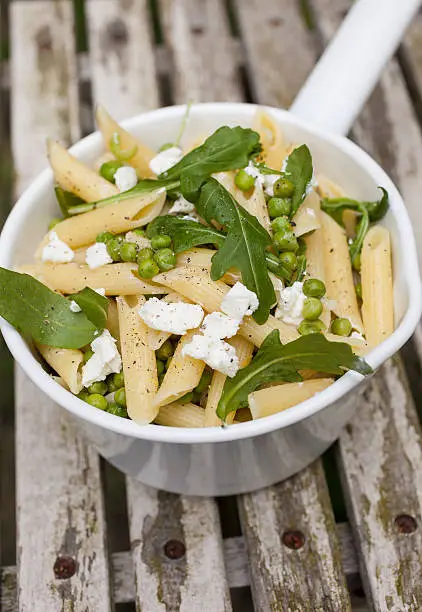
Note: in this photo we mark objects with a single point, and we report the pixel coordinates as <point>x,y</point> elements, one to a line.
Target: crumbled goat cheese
<point>219,355</point>
<point>175,318</point>
<point>97,256</point>
<point>105,360</point>
<point>239,302</point>
<point>125,178</point>
<point>290,304</point>
<point>269,180</point>
<point>255,173</point>
<point>56,250</point>
<point>141,241</point>
<point>181,205</point>
<point>74,307</point>
<point>218,326</point>
<point>100,291</point>
<point>165,160</point>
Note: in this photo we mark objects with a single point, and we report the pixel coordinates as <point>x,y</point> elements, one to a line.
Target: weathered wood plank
<point>203,53</point>
<point>380,452</point>
<point>279,49</point>
<point>177,549</point>
<point>294,554</point>
<point>59,505</point>
<point>124,78</point>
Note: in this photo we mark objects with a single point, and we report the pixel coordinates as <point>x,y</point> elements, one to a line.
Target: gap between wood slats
<point>235,560</point>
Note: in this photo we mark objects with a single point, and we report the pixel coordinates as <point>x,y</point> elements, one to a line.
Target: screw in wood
<point>174,549</point>
<point>293,539</point>
<point>64,567</point>
<point>405,523</point>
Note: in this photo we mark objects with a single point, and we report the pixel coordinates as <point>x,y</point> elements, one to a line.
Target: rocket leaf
<point>299,171</point>
<point>94,305</point>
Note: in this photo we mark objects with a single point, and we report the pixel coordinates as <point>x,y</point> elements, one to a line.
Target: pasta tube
<point>275,399</point>
<point>108,127</point>
<point>139,365</point>
<point>306,218</point>
<point>377,286</point>
<point>75,176</point>
<point>181,415</point>
<point>338,272</point>
<point>116,279</point>
<point>244,350</point>
<point>183,374</point>
<point>66,362</point>
<point>113,321</point>
<point>274,149</point>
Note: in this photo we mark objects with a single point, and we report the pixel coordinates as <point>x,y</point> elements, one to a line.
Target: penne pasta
<point>66,362</point>
<point>108,127</point>
<point>306,218</point>
<point>274,149</point>
<point>244,350</point>
<point>338,273</point>
<point>196,284</point>
<point>75,176</point>
<point>377,286</point>
<point>139,365</point>
<point>122,216</point>
<point>116,279</point>
<point>327,188</point>
<point>183,374</point>
<point>277,398</point>
<point>181,415</point>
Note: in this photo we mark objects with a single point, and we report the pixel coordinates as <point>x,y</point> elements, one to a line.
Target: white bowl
<point>247,456</point>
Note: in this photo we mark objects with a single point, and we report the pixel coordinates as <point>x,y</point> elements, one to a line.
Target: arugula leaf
<point>264,169</point>
<point>299,171</point>
<point>244,246</point>
<point>144,186</point>
<point>34,309</point>
<point>369,211</point>
<point>226,149</point>
<point>277,363</point>
<point>67,200</point>
<point>94,305</point>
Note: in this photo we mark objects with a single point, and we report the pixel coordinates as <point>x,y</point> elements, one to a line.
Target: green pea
<point>109,169</point>
<point>356,263</point>
<point>83,395</point>
<point>128,251</point>
<point>148,268</point>
<point>160,367</point>
<point>55,221</point>
<point>139,231</point>
<point>145,254</point>
<point>161,378</point>
<point>165,351</point>
<point>187,398</point>
<point>168,362</point>
<point>283,188</point>
<point>243,180</point>
<point>115,381</point>
<point>98,401</point>
<point>286,241</point>
<point>314,287</point>
<point>117,410</point>
<point>358,290</point>
<point>273,262</point>
<point>204,381</point>
<point>289,260</point>
<point>113,248</point>
<point>120,397</point>
<point>87,355</point>
<point>104,237</point>
<point>311,327</point>
<point>165,146</point>
<point>161,241</point>
<point>281,224</point>
<point>279,206</point>
<point>100,387</point>
<point>312,309</point>
<point>165,258</point>
<point>341,327</point>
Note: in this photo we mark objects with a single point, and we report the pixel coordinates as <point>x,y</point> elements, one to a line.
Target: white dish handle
<point>346,74</point>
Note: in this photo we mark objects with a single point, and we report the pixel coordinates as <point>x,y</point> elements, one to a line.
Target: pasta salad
<point>212,284</point>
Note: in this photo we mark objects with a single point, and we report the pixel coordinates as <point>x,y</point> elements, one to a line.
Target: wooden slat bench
<point>80,545</point>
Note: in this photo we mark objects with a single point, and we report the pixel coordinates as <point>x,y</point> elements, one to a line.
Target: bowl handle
<point>348,71</point>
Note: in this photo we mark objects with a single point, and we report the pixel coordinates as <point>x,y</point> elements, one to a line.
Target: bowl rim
<point>23,355</point>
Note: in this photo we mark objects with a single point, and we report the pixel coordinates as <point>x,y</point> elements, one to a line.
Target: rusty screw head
<point>405,523</point>
<point>174,549</point>
<point>293,539</point>
<point>64,567</point>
